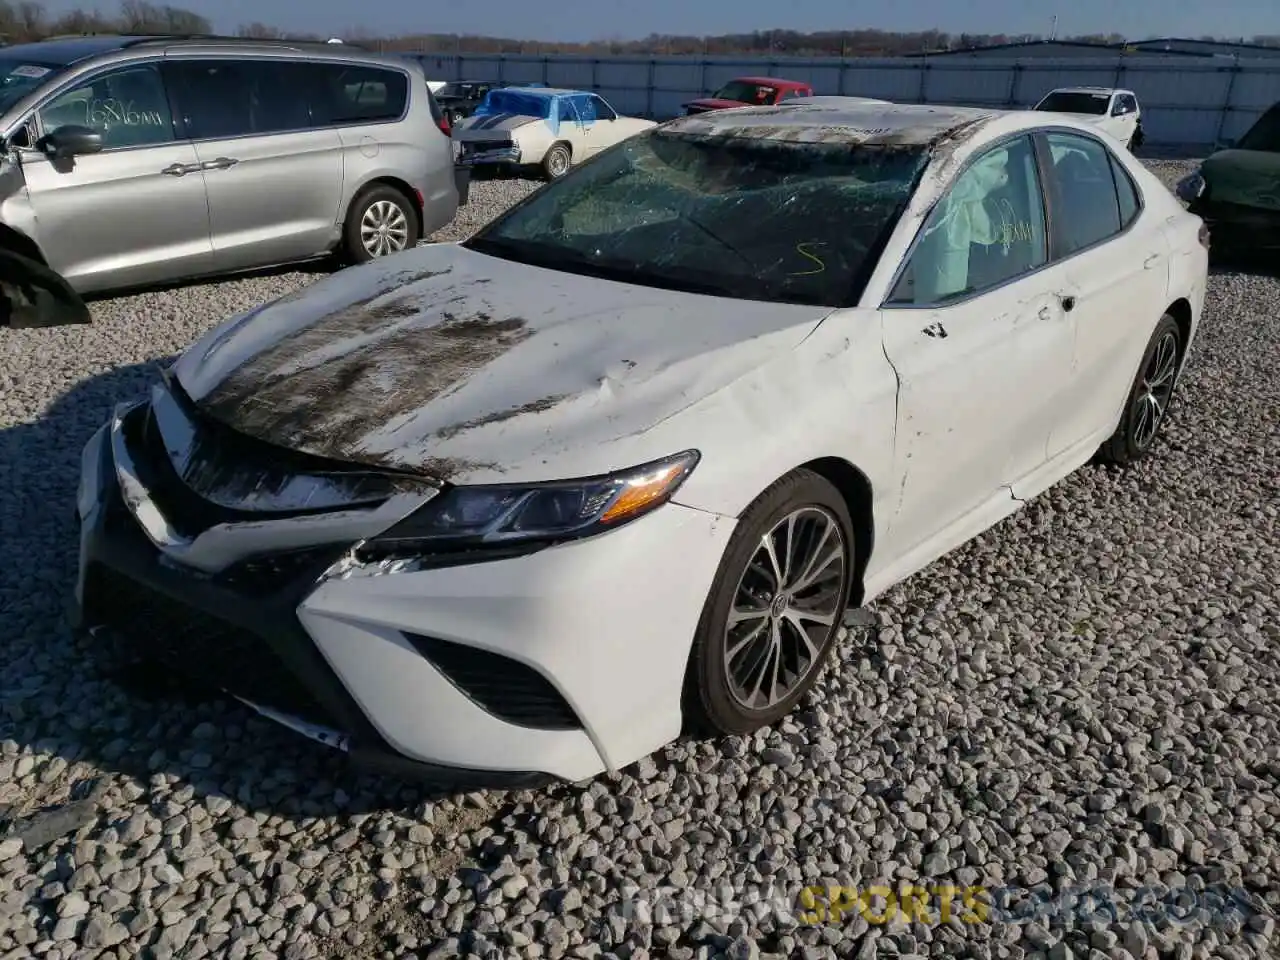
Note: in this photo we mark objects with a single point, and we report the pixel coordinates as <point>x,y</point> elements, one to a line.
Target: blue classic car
<point>546,127</point>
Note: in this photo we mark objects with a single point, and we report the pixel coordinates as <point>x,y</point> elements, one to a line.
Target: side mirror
<point>69,141</point>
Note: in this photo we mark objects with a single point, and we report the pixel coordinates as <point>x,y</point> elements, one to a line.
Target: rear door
<point>273,169</point>
<point>1115,266</point>
<point>136,213</point>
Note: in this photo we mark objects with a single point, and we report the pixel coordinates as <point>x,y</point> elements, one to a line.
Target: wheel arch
<point>400,186</point>
<point>855,487</point>
<point>20,243</point>
<point>1180,310</point>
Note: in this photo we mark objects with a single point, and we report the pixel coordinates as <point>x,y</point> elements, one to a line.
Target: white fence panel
<point>1186,101</point>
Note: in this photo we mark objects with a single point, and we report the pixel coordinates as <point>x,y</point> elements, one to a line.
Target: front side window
<point>128,107</point>
<point>1084,190</point>
<point>1063,101</point>
<point>734,217</point>
<point>988,229</point>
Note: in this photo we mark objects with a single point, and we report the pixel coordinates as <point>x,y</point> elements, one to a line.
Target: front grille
<point>203,648</point>
<point>499,685</point>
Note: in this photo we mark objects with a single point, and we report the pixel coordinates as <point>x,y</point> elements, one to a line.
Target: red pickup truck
<point>749,92</point>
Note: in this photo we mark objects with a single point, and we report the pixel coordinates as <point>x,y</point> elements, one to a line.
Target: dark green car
<point>1237,190</point>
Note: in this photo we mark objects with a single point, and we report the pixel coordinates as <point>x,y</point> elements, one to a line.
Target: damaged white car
<point>528,505</point>
<point>544,127</point>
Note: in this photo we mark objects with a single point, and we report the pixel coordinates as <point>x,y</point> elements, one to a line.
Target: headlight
<point>1190,187</point>
<point>497,516</point>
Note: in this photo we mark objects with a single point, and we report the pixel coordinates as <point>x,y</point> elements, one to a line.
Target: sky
<point>583,20</point>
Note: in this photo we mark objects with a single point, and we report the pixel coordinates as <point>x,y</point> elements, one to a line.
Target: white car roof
<point>836,118</point>
<point>1085,89</point>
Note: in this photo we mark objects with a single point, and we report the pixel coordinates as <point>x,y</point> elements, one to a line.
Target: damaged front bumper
<point>237,631</point>
<point>503,672</point>
<point>479,154</point>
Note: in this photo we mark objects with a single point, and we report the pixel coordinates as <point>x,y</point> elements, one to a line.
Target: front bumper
<point>507,673</point>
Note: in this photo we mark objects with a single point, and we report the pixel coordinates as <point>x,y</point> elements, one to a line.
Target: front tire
<point>1147,404</point>
<point>381,222</point>
<point>774,610</point>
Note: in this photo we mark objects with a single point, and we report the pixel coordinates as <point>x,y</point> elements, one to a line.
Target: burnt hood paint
<point>465,367</point>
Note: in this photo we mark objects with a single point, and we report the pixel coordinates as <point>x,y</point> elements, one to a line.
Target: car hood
<point>464,367</point>
<point>1247,177</point>
<point>490,125</point>
<point>716,103</point>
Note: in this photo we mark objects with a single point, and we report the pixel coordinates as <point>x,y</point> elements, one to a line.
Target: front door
<point>137,212</point>
<point>273,170</point>
<point>980,343</point>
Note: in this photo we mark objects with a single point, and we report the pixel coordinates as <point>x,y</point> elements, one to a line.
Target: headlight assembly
<point>470,518</point>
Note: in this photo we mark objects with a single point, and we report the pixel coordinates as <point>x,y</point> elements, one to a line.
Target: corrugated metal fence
<point>1185,100</point>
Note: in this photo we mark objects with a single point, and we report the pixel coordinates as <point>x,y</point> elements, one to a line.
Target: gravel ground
<point>1089,693</point>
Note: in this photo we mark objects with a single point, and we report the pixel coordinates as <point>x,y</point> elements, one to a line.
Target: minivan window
<point>359,94</point>
<point>748,218</point>
<point>238,98</point>
<point>128,106</point>
<point>20,77</point>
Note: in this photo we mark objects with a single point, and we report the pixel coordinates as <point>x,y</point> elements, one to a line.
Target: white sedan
<point>530,504</point>
<point>544,127</point>
<point>1117,112</point>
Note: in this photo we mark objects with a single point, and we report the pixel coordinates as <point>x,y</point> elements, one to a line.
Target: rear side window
<point>1126,193</point>
<point>1084,188</point>
<point>359,94</point>
<point>237,98</point>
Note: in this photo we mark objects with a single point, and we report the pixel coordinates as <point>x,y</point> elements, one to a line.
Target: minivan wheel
<point>1147,404</point>
<point>382,222</point>
<point>774,608</point>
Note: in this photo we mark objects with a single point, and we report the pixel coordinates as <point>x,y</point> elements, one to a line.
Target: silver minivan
<point>133,161</point>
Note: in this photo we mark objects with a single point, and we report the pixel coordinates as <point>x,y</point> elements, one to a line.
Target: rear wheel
<point>556,163</point>
<point>1149,397</point>
<point>774,609</point>
<point>381,222</point>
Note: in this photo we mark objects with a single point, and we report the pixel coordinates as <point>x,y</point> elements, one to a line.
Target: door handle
<point>221,163</point>
<point>178,169</point>
<point>1151,261</point>
<point>1046,314</point>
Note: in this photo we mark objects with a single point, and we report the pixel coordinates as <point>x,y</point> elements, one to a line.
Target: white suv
<point>1114,111</point>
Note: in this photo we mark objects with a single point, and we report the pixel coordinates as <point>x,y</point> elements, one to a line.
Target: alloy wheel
<point>558,164</point>
<point>786,604</point>
<point>1155,391</point>
<point>384,228</point>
